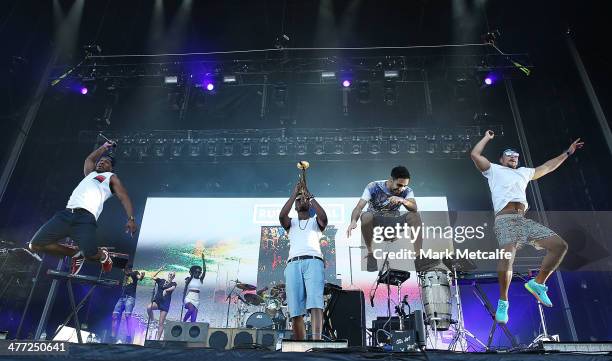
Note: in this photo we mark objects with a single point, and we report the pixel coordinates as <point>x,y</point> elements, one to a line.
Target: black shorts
<point>79,225</point>
<point>163,304</point>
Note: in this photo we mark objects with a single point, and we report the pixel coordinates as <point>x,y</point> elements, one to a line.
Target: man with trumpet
<point>304,274</point>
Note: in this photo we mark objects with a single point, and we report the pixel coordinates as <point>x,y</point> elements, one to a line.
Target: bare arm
<point>90,161</point>
<point>122,195</point>
<point>157,272</point>
<point>283,217</point>
<point>480,161</point>
<point>554,163</point>
<point>355,216</point>
<point>203,268</point>
<point>410,204</point>
<point>321,215</point>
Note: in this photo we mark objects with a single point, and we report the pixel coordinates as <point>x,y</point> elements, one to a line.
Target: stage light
<point>84,90</point>
<point>338,145</point>
<point>300,146</point>
<point>211,148</point>
<point>394,146</point>
<point>228,148</point>
<point>319,146</point>
<point>264,146</point>
<point>488,81</point>
<point>346,83</point>
<point>210,86</point>
<point>389,94</point>
<point>328,75</point>
<point>173,79</point>
<point>194,149</point>
<point>246,147</point>
<point>229,79</point>
<point>356,146</point>
<point>391,73</point>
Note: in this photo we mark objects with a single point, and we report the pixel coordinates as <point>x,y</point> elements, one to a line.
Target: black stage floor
<point>137,353</point>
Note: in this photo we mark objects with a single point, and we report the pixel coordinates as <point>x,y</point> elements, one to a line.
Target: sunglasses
<point>511,153</point>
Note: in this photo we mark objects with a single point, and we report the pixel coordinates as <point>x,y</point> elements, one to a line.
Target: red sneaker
<point>107,262</point>
<point>76,264</point>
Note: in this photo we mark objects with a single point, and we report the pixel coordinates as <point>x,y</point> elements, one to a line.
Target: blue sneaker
<point>501,316</point>
<point>539,292</point>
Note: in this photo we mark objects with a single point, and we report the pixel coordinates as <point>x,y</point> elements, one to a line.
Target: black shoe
<point>372,265</point>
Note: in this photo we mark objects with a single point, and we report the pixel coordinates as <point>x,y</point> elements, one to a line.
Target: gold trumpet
<point>303,165</point>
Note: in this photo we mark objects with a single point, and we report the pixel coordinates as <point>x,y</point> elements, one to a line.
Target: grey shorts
<point>518,230</point>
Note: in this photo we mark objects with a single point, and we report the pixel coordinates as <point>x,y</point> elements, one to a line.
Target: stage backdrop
<point>242,240</point>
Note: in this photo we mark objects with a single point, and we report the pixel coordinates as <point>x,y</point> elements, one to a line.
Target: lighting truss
<point>225,145</point>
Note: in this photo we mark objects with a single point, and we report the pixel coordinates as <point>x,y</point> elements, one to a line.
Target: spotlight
<point>389,93</point>
<point>488,81</point>
<point>300,146</point>
<point>84,90</point>
<point>264,146</point>
<point>319,146</point>
<point>210,86</point>
<point>346,83</point>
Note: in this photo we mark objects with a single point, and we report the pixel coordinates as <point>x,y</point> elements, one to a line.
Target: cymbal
<point>246,287</point>
<point>253,299</point>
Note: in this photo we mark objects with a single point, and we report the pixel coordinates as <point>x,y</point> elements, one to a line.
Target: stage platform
<point>135,353</point>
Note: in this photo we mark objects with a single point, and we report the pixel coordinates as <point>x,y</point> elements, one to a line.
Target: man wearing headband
<point>507,182</point>
<point>79,220</point>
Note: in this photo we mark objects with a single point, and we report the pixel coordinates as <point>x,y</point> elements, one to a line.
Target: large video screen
<point>242,241</point>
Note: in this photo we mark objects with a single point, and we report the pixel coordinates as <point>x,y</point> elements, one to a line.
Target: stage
<point>133,352</point>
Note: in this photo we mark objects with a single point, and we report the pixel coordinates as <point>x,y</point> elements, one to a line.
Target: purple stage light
<point>488,80</point>
<point>210,86</point>
<point>84,90</point>
<point>346,83</point>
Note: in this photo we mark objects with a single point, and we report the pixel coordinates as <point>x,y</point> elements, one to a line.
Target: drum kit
<point>266,308</point>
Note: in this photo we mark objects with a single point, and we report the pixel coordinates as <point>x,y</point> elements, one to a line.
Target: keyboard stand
<point>68,278</point>
<point>484,300</point>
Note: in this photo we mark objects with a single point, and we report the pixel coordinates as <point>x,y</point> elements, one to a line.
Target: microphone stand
<point>229,302</point>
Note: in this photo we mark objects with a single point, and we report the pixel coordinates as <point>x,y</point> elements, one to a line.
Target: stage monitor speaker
<point>345,313</point>
<point>220,338</point>
<point>244,338</point>
<point>185,331</point>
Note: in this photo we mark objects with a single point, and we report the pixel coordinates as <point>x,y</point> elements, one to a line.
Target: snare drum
<point>436,297</point>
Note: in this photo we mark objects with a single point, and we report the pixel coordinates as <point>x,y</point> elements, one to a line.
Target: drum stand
<point>461,333</point>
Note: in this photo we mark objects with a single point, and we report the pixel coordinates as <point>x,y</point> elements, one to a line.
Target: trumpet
<point>303,165</point>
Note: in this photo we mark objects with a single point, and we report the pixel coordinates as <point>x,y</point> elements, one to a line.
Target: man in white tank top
<point>507,182</point>
<point>79,220</point>
<point>305,271</point>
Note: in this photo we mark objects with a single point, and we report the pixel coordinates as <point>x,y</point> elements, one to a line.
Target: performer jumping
<point>161,299</point>
<point>304,274</point>
<point>125,303</point>
<point>507,183</point>
<point>79,220</point>
<point>384,198</point>
<point>193,286</point>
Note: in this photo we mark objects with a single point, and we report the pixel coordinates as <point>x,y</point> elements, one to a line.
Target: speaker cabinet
<point>220,338</point>
<point>186,331</point>
<point>345,316</point>
<point>244,338</point>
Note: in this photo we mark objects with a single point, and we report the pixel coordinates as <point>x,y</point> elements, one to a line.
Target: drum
<point>436,297</point>
<point>273,305</point>
<point>259,320</point>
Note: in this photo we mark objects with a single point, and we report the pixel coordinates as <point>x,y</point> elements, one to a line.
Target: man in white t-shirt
<point>507,182</point>
<point>305,271</point>
<point>79,220</point>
